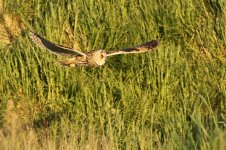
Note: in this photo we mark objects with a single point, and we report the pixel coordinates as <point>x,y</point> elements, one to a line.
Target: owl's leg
<point>72,62</point>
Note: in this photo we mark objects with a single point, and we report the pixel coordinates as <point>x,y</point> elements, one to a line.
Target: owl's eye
<point>101,56</point>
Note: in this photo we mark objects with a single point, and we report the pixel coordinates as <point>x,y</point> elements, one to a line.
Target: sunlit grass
<point>171,98</point>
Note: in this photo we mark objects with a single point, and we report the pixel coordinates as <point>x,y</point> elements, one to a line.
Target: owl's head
<point>100,57</point>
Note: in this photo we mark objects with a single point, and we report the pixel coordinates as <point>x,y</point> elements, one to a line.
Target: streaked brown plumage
<point>90,59</point>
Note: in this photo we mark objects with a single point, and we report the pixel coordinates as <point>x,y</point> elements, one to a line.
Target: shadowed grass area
<point>171,98</point>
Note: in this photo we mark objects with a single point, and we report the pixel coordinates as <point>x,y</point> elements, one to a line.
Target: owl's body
<point>90,59</point>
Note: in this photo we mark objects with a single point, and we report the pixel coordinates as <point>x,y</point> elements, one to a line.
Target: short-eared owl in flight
<point>87,59</point>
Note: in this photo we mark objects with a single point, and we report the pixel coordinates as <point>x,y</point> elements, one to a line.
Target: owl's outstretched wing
<point>56,49</point>
<point>139,49</point>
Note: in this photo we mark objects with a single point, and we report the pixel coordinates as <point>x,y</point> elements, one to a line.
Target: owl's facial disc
<point>100,57</point>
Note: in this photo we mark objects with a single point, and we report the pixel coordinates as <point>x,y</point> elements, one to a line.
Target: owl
<point>93,58</point>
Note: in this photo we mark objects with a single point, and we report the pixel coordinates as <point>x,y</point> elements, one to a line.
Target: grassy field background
<point>171,98</point>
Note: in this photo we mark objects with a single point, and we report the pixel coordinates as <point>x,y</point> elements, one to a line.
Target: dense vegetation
<point>171,98</point>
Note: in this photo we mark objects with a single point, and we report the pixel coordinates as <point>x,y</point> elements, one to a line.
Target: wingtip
<point>33,35</point>
<point>36,39</point>
<point>151,44</point>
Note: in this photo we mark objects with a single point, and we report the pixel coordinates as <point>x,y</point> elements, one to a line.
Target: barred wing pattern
<point>54,48</point>
<point>139,49</point>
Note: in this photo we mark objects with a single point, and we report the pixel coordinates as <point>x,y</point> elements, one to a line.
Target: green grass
<point>171,98</point>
